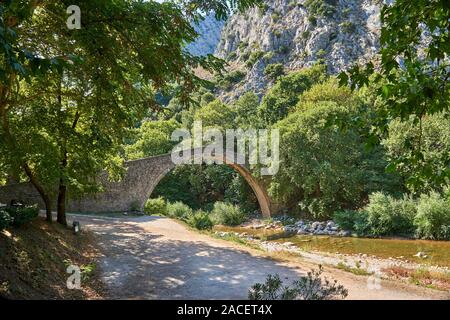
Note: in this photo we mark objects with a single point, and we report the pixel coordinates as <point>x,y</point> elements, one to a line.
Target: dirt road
<point>158,258</point>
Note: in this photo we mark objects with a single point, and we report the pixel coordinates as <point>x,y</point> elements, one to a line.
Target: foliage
<point>325,8</point>
<point>433,217</point>
<point>325,168</point>
<point>200,220</point>
<point>22,214</point>
<point>431,135</point>
<point>5,219</point>
<point>78,92</point>
<point>246,108</point>
<point>348,26</point>
<point>428,217</point>
<point>178,210</point>
<point>199,186</point>
<point>285,93</point>
<point>155,206</point>
<point>235,76</point>
<point>389,216</point>
<point>253,58</point>
<point>328,90</point>
<point>274,71</point>
<point>151,139</point>
<point>215,115</point>
<point>309,287</point>
<point>412,77</point>
<point>227,214</point>
<point>351,220</point>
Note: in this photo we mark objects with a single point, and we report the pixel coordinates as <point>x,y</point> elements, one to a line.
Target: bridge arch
<point>141,178</point>
<point>228,159</point>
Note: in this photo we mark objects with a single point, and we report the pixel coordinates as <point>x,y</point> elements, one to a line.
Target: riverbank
<point>424,263</point>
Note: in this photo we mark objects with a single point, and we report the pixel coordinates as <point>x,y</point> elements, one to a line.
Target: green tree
<point>284,95</point>
<point>91,84</point>
<point>413,72</point>
<point>432,136</point>
<point>246,108</point>
<point>152,138</point>
<point>216,114</point>
<point>324,166</point>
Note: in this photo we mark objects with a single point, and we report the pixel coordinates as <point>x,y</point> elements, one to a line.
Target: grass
<point>356,271</point>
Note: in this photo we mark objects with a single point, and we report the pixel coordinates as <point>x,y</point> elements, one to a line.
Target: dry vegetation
<point>421,277</point>
<point>34,258</point>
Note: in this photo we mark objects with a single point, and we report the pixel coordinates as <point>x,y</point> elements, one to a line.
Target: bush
<point>234,76</point>
<point>178,210</point>
<point>5,219</point>
<point>324,8</point>
<point>433,217</point>
<point>200,220</point>
<point>254,57</point>
<point>389,216</point>
<point>383,216</point>
<point>310,287</point>
<point>22,215</point>
<point>274,71</point>
<point>227,214</point>
<point>155,206</point>
<point>351,220</point>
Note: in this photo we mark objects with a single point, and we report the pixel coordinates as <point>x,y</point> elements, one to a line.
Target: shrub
<point>274,71</point>
<point>200,220</point>
<point>254,57</point>
<point>325,8</point>
<point>348,26</point>
<point>227,214</point>
<point>235,76</point>
<point>178,210</point>
<point>5,219</point>
<point>275,16</point>
<point>350,220</point>
<point>22,215</point>
<point>155,206</point>
<point>310,287</point>
<point>433,217</point>
<point>388,216</point>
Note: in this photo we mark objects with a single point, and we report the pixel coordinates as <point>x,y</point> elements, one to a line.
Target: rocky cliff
<point>209,31</point>
<point>296,34</point>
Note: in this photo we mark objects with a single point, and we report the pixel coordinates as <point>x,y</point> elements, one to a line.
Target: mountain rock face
<point>297,34</point>
<point>209,31</point>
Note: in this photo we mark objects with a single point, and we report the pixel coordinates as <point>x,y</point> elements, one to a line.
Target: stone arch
<point>141,178</point>
<point>260,192</point>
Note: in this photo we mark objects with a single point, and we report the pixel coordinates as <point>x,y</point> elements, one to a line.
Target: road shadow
<point>138,264</point>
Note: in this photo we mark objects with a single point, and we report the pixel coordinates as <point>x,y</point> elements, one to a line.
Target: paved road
<point>158,258</point>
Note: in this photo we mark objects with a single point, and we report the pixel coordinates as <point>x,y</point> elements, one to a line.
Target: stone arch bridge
<point>141,178</point>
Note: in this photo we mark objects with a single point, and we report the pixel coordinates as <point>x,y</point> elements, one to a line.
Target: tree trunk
<point>45,197</point>
<point>62,192</point>
<point>5,92</point>
<point>61,206</point>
